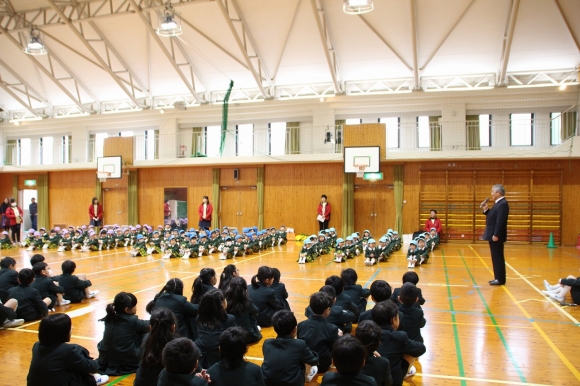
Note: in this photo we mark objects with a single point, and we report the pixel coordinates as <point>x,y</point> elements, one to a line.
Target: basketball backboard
<point>112,165</point>
<point>355,156</point>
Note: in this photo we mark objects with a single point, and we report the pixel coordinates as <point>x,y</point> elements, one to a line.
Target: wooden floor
<point>475,334</point>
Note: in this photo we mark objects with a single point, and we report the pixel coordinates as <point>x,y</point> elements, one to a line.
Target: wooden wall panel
<point>115,206</point>
<point>69,197</point>
<point>411,191</point>
<point>5,186</point>
<point>247,177</point>
<point>292,194</point>
<point>366,134</point>
<point>570,204</point>
<point>122,146</point>
<point>152,182</point>
<point>116,183</point>
<point>376,198</point>
<point>27,176</point>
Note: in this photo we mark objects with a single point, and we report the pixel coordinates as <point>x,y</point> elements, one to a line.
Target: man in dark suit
<point>496,232</point>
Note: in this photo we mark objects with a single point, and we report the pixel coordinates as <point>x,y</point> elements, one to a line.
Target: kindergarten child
<point>5,242</point>
<point>140,247</point>
<point>339,251</point>
<point>65,243</point>
<point>372,252</point>
<point>412,255</point>
<point>281,236</point>
<point>76,288</point>
<point>307,253</point>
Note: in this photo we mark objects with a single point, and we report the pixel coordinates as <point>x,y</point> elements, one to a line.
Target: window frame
<point>532,129</point>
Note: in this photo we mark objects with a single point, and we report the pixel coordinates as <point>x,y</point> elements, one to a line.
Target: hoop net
<point>361,170</point>
<point>102,176</point>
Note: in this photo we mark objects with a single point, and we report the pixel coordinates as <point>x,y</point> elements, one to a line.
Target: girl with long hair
<point>203,283</point>
<point>243,309</point>
<point>263,296</point>
<point>230,271</point>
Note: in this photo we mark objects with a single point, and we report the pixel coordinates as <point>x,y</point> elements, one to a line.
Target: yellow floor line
<point>555,349</point>
<point>482,325</point>
<point>484,380</point>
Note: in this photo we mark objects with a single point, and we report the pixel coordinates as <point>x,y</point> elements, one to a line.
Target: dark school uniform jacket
<point>340,318</point>
<point>170,379</point>
<point>337,379</point>
<point>379,369</point>
<point>6,314</point>
<point>74,288</point>
<point>8,279</point>
<point>61,364</point>
<point>393,345</point>
<point>120,348</point>
<point>319,336</point>
<point>147,375</point>
<point>284,359</point>
<point>208,342</point>
<point>345,301</point>
<point>397,292</point>
<point>358,294</point>
<point>281,294</point>
<point>264,298</point>
<point>184,311</point>
<point>414,321</point>
<point>30,304</point>
<point>368,316</point>
<point>247,320</point>
<point>46,287</point>
<point>247,374</point>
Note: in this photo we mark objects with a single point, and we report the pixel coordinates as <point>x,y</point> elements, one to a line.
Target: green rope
<point>225,117</point>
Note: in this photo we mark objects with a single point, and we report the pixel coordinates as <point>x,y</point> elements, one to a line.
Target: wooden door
<point>115,206</point>
<point>248,207</point>
<point>229,208</point>
<point>374,208</point>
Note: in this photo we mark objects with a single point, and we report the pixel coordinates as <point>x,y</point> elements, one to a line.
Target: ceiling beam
<point>260,73</point>
<point>192,68</point>
<point>447,36</point>
<point>26,85</point>
<point>507,42</point>
<point>6,88</point>
<point>286,41</point>
<point>567,24</point>
<point>325,37</point>
<point>50,73</point>
<point>105,66</point>
<point>416,78</point>
<point>165,51</point>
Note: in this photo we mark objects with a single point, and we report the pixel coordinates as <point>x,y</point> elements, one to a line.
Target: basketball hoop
<point>361,170</point>
<point>102,176</point>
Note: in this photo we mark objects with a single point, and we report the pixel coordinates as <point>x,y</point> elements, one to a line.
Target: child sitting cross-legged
<point>243,309</point>
<point>46,285</point>
<point>414,317</point>
<point>348,355</point>
<point>180,357</point>
<point>342,319</point>
<point>30,305</point>
<point>369,334</point>
<point>76,287</point>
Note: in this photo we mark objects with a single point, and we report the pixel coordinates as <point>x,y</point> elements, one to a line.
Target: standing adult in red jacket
<point>323,212</point>
<point>96,214</point>
<point>14,215</point>
<point>205,210</point>
<point>433,222</point>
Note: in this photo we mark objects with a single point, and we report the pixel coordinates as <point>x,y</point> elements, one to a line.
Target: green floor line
<point>118,380</point>
<point>493,321</point>
<point>455,329</point>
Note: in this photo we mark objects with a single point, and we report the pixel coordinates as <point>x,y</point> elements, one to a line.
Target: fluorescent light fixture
<point>458,89</point>
<point>122,111</point>
<point>18,120</point>
<point>85,114</point>
<point>35,45</point>
<point>357,7</point>
<point>169,22</point>
<point>542,85</point>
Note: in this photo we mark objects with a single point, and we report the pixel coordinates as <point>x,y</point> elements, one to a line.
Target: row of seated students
<point>420,248</point>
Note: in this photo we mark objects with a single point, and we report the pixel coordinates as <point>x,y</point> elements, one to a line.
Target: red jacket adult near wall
<point>326,213</point>
<point>433,223</point>
<point>99,213</point>
<point>208,212</point>
<point>10,215</point>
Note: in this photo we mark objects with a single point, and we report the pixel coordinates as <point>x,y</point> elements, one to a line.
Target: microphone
<point>484,202</point>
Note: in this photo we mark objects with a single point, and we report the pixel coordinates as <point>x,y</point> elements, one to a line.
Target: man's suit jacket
<point>496,221</point>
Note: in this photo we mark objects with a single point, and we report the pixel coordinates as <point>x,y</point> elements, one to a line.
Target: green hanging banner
<point>225,117</point>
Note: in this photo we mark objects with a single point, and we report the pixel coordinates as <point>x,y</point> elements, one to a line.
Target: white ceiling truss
<point>104,55</point>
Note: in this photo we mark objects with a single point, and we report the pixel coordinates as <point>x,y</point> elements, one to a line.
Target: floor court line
<point>36,332</point>
<point>554,348</point>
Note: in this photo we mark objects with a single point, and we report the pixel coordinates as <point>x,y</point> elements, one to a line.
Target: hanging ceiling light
<point>169,22</point>
<point>35,45</point>
<point>356,7</point>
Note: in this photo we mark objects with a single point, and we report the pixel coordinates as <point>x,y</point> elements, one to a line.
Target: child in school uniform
<point>37,243</point>
<point>396,241</point>
<point>180,359</point>
<point>173,250</point>
<point>348,355</point>
<point>5,242</point>
<point>282,236</point>
<point>254,243</point>
<point>56,362</point>
<point>120,348</point>
<point>408,277</point>
<point>377,367</point>
<point>339,251</point>
<point>383,249</point>
<point>342,319</point>
<point>372,253</point>
<point>434,238</point>
<point>140,247</point>
<point>342,299</point>
<point>308,253</point>
<point>242,308</point>
<point>46,287</point>
<point>280,290</point>
<point>8,317</point>
<point>285,356</point>
<point>76,288</point>
<point>380,291</point>
<point>154,244</point>
<point>232,369</point>
<point>65,243</point>
<point>8,277</point>
<point>29,239</point>
<point>414,317</point>
<point>92,243</point>
<point>396,345</point>
<point>230,271</point>
<point>52,240</point>
<point>317,332</point>
<point>422,251</point>
<point>412,255</point>
<point>357,293</point>
<point>211,322</point>
<point>349,248</point>
<point>263,296</point>
<point>202,284</point>
<point>30,305</point>
<point>171,297</point>
<point>78,239</point>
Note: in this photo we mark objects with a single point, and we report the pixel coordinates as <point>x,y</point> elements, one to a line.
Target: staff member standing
<point>96,213</point>
<point>323,212</point>
<point>433,222</point>
<point>14,214</point>
<point>5,222</point>
<point>496,232</point>
<point>33,212</point>
<point>205,210</point>
<point>166,210</point>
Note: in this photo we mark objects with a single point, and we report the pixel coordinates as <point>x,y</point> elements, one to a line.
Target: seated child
<point>154,244</point>
<point>232,369</point>
<point>380,292</point>
<point>202,284</point>
<point>408,277</point>
<point>243,309</point>
<point>139,247</point>
<point>396,345</point>
<point>285,356</point>
<point>348,355</point>
<point>384,252</point>
<point>52,241</point>
<point>307,253</point>
<point>172,250</point>
<point>340,318</point>
<point>180,357</point>
<point>30,305</point>
<point>342,299</point>
<point>8,277</point>
<point>120,348</point>
<point>66,242</point>
<point>8,314</point>
<point>37,243</point>
<point>263,296</point>
<point>56,363</point>
<point>280,290</point>
<point>434,238</point>
<point>281,236</point>
<point>377,367</point>
<point>558,292</point>
<point>414,318</point>
<point>5,242</point>
<point>323,245</point>
<point>412,255</point>
<point>339,251</point>
<point>46,286</point>
<point>357,293</point>
<point>76,287</point>
<point>92,243</point>
<point>422,251</point>
<point>78,239</point>
<point>230,271</point>
<point>227,249</point>
<point>317,332</point>
<point>29,238</point>
<point>349,248</point>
